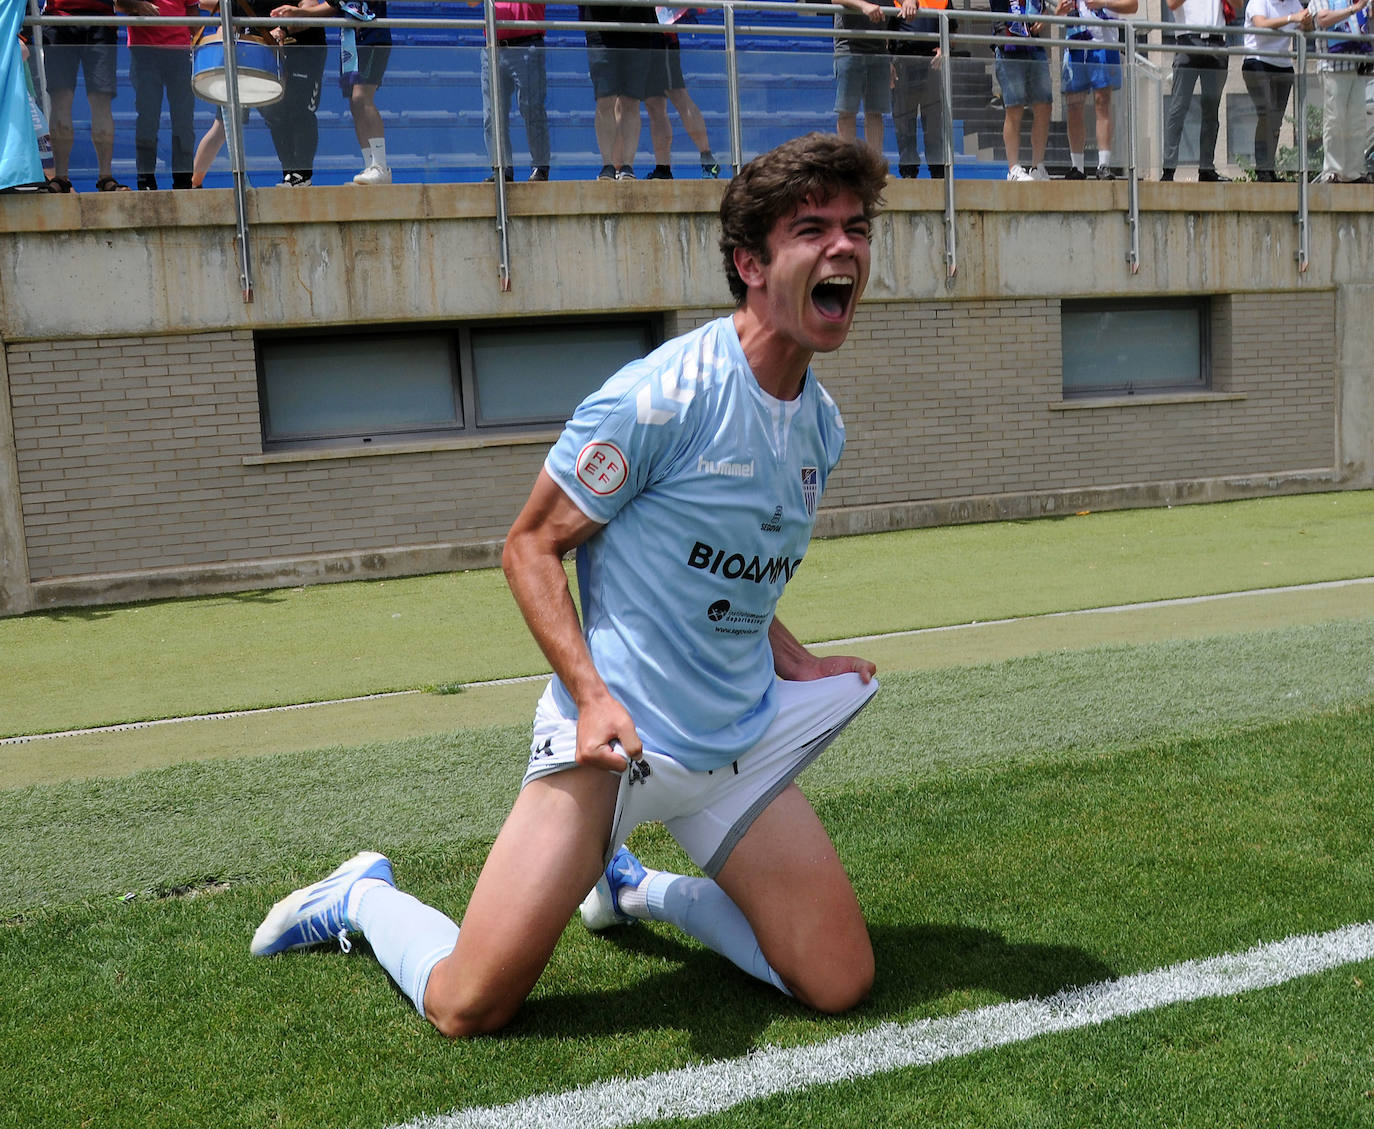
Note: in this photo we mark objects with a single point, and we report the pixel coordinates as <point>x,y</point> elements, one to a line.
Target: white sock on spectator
<point>1104,158</point>
<point>376,152</point>
<point>1077,159</point>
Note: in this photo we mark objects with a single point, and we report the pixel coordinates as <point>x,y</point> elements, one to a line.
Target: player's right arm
<point>548,527</point>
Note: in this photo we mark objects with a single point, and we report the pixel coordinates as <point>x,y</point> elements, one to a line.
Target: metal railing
<point>1140,40</point>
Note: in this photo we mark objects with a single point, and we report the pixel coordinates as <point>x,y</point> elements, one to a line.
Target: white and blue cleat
<point>601,908</point>
<point>315,914</point>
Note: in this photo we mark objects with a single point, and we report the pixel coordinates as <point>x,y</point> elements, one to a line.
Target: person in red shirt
<point>90,50</point>
<point>520,69</point>
<point>160,63</point>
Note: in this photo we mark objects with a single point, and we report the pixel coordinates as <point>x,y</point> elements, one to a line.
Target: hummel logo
<point>725,467</point>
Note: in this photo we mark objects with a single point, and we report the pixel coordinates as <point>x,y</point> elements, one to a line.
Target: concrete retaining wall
<point>131,458</point>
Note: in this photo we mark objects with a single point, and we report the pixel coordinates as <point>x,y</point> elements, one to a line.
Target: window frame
<point>464,377</point>
<point>1201,304</point>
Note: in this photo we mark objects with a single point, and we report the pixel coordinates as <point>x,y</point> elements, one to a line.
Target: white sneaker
<point>373,174</point>
<point>1039,173</point>
<point>601,908</point>
<point>1018,172</point>
<point>316,913</point>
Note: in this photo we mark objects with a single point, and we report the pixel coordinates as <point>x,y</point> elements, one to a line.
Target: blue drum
<point>258,66</point>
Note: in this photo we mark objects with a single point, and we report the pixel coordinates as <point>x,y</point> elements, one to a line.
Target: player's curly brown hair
<point>816,166</point>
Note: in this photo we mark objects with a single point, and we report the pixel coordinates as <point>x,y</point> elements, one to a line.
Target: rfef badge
<point>601,468</point>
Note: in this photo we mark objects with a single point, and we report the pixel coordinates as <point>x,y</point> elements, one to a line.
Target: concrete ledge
<point>322,453</point>
<point>214,207</point>
<point>1145,400</point>
<point>855,520</point>
<point>245,576</point>
<point>419,560</point>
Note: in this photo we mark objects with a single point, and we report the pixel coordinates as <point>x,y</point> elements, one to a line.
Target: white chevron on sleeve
<point>645,410</point>
<point>681,390</point>
<point>675,386</point>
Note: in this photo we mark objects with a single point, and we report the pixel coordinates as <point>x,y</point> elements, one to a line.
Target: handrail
<point>732,83</point>
<point>947,109</point>
<point>40,70</point>
<point>1300,110</point>
<point>232,117</point>
<point>502,158</point>
<point>1132,165</point>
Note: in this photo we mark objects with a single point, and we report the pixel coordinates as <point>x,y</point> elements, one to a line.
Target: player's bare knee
<point>839,993</point>
<point>459,1022</point>
<point>838,987</point>
<point>460,1010</point>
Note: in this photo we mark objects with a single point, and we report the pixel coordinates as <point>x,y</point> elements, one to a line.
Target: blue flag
<point>19,163</point>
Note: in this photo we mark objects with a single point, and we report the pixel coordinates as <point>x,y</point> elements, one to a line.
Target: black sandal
<point>109,184</point>
<point>60,184</point>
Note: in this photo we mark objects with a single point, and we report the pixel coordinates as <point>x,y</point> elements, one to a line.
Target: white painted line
<point>1179,601</point>
<point>718,1086</point>
<point>129,725</point>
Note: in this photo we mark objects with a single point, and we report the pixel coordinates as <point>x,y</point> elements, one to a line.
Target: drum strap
<point>259,34</point>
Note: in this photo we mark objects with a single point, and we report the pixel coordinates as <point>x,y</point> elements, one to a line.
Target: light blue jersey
<point>707,487</point>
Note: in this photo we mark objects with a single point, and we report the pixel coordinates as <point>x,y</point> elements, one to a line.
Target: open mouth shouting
<point>833,297</point>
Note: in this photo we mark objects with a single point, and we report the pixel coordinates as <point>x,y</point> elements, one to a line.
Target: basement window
<point>1127,348</point>
<point>342,388</point>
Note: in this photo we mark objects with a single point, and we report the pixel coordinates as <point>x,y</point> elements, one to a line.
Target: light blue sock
<point>701,909</point>
<point>408,937</point>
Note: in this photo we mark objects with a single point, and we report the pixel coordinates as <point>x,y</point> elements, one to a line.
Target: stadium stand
<point>431,103</point>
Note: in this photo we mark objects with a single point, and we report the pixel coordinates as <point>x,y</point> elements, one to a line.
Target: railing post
<point>498,129</point>
<point>233,135</point>
<point>732,87</point>
<point>947,108</point>
<point>40,70</point>
<point>1132,171</point>
<point>1300,138</point>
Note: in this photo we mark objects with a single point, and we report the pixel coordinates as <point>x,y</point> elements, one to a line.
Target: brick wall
<point>131,452</point>
<point>945,400</point>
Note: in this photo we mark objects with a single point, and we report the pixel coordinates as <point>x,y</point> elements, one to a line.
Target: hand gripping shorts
<point>709,812</point>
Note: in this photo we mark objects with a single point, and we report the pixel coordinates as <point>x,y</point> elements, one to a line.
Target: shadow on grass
<point>724,1011</point>
<point>79,615</point>
<point>106,611</point>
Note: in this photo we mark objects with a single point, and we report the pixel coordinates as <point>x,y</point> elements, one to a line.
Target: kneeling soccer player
<point>688,486</point>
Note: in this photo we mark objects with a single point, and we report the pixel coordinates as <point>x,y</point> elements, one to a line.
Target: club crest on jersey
<point>811,484</point>
<point>601,468</point>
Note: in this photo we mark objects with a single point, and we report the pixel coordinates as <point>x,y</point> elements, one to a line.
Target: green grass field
<point>1025,808</point>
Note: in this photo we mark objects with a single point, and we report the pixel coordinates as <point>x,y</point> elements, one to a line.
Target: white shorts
<point>709,812</point>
